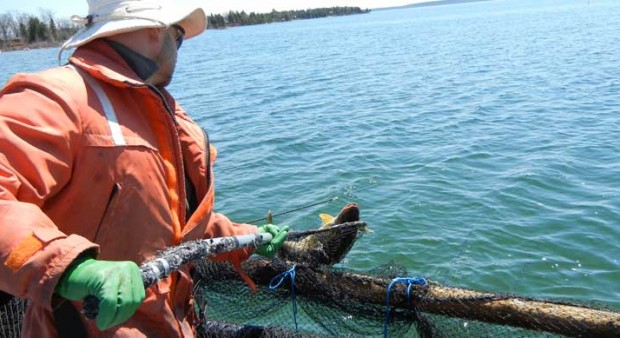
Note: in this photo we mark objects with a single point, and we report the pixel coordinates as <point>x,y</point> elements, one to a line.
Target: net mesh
<point>11,314</point>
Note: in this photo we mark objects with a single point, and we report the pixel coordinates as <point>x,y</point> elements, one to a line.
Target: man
<point>100,168</point>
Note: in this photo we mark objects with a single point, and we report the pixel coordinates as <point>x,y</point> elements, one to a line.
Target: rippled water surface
<point>481,140</point>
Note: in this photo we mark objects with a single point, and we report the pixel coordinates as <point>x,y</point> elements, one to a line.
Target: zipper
<point>166,105</point>
<point>207,159</point>
<point>115,189</point>
<point>181,169</point>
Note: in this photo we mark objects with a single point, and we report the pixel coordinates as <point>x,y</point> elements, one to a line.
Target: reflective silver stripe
<point>110,114</point>
<point>155,270</point>
<point>164,264</point>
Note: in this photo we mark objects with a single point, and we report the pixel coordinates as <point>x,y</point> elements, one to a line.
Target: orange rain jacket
<point>73,179</point>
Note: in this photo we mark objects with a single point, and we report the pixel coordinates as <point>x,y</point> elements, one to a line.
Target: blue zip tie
<point>291,274</point>
<point>410,283</point>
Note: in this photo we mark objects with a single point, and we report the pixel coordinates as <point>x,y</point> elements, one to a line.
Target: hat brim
<point>192,19</point>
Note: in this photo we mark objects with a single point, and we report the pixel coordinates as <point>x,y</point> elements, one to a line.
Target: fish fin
<point>269,218</point>
<point>326,218</point>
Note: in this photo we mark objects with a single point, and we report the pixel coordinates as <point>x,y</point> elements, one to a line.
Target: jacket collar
<point>100,60</point>
<point>141,65</point>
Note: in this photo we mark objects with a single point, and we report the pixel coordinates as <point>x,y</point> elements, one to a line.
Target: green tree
<point>29,28</point>
<point>232,19</point>
<point>37,31</point>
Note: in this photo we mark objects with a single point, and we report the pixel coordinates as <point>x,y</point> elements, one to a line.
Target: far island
<point>233,19</point>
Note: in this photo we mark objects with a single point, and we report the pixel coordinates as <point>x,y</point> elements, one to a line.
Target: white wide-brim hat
<point>111,17</point>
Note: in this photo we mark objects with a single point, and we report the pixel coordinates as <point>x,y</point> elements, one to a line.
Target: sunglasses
<point>180,35</point>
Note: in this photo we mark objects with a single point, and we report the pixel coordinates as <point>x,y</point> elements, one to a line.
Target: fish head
<point>348,213</point>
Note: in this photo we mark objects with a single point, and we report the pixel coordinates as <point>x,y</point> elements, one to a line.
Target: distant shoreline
<point>50,44</point>
<point>30,46</point>
<point>429,4</point>
<point>215,21</point>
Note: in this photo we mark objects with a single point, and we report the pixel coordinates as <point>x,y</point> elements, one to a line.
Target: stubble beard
<point>167,60</point>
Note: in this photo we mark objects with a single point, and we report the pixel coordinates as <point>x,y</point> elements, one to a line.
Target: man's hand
<point>279,235</point>
<point>117,285</point>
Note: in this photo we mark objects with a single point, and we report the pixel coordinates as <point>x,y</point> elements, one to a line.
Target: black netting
<point>340,302</point>
<point>11,314</point>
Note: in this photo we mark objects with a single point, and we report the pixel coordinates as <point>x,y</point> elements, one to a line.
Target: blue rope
<point>410,283</point>
<point>291,274</point>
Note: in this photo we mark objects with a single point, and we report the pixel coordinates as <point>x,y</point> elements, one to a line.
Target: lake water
<point>480,140</point>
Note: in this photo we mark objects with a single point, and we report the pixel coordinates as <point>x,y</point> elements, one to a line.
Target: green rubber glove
<point>279,235</point>
<point>117,285</point>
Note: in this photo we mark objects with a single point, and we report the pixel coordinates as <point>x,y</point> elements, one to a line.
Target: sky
<point>66,8</point>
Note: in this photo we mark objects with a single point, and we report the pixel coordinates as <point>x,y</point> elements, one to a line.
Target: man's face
<point>167,58</point>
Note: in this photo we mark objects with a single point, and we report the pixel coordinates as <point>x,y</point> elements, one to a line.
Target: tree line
<point>232,19</point>
<point>18,30</point>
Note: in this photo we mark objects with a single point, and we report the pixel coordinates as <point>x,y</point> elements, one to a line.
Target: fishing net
<point>11,314</point>
<point>327,301</point>
<point>301,294</point>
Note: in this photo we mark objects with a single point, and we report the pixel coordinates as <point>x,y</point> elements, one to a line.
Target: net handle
<point>170,260</point>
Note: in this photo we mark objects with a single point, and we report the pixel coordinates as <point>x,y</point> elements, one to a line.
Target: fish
<point>329,247</point>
